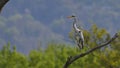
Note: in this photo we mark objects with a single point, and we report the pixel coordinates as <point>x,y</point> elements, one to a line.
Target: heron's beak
<point>71,16</point>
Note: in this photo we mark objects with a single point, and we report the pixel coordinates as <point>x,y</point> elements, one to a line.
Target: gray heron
<point>78,33</point>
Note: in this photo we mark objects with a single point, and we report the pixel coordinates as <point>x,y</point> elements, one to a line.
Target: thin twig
<point>72,59</point>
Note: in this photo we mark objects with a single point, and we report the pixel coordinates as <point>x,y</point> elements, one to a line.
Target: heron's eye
<point>79,31</point>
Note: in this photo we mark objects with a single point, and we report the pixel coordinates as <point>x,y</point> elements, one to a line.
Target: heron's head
<point>71,16</point>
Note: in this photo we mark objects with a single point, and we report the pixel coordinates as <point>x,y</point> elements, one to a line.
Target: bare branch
<point>2,3</point>
<point>72,59</point>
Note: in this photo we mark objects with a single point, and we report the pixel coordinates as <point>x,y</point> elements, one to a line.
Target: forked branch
<point>71,59</point>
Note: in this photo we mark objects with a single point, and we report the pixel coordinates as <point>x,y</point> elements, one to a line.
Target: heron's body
<point>78,34</point>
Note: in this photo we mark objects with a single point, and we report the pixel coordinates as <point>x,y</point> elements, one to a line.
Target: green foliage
<point>55,55</point>
<point>11,58</point>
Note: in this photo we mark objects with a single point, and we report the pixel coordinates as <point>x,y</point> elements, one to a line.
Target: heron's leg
<point>79,46</point>
<point>81,43</point>
<point>77,40</point>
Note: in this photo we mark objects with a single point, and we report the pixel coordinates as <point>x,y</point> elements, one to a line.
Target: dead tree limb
<point>2,3</point>
<point>71,59</point>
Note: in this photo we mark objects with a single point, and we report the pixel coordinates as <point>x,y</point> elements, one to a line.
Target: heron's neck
<point>74,22</point>
<point>75,25</point>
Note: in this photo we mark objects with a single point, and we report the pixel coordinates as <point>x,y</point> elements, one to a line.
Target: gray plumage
<point>78,34</point>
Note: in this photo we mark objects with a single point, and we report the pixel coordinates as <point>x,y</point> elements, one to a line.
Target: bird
<point>78,33</point>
